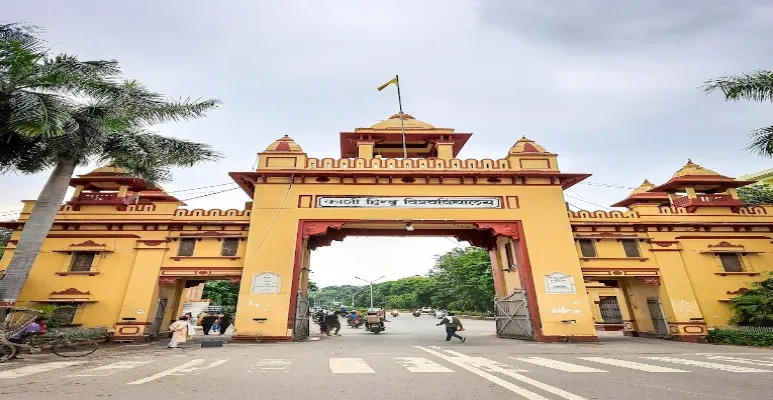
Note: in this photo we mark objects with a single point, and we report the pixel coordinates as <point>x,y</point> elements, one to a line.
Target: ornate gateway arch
<point>513,206</point>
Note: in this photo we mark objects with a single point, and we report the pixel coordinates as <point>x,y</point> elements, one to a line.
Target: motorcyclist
<point>353,315</point>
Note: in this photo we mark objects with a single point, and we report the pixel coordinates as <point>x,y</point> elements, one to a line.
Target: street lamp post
<point>371,287</point>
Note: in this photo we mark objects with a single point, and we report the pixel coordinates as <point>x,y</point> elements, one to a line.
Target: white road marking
<point>184,369</point>
<point>38,368</point>
<point>350,366</point>
<point>421,364</point>
<point>435,347</point>
<point>462,362</point>
<point>704,364</point>
<point>484,363</point>
<point>559,365</point>
<point>742,360</point>
<point>111,369</point>
<point>631,364</point>
<point>271,365</point>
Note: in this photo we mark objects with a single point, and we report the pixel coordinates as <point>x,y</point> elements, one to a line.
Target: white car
<point>427,310</point>
<point>439,314</point>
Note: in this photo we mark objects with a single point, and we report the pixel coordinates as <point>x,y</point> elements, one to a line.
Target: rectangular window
<point>731,262</point>
<point>81,261</point>
<point>64,314</point>
<point>587,248</point>
<point>230,247</point>
<point>631,247</point>
<point>186,247</point>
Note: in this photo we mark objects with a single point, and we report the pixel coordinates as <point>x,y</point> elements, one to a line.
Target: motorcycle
<point>394,313</point>
<point>355,323</point>
<point>417,313</point>
<point>374,324</point>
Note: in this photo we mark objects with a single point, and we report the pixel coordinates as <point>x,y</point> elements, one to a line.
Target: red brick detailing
<point>70,292</point>
<point>319,227</point>
<point>152,243</point>
<point>649,280</point>
<point>283,146</point>
<point>164,280</point>
<point>88,243</point>
<point>507,229</point>
<point>529,148</point>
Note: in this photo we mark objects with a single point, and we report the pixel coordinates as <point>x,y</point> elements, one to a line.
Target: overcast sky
<point>612,87</point>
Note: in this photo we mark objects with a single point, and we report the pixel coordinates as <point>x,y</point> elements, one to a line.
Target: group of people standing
<point>183,329</point>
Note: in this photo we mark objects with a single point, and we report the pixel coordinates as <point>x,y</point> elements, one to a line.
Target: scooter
<point>395,313</point>
<point>374,324</point>
<point>417,313</point>
<point>355,323</point>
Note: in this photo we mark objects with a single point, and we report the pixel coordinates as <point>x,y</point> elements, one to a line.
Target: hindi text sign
<point>407,202</point>
<point>266,283</point>
<point>558,283</point>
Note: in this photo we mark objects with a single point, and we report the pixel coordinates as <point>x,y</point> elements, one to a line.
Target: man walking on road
<point>452,325</point>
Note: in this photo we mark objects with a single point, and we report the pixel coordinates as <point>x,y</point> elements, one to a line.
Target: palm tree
<point>58,112</point>
<point>757,86</point>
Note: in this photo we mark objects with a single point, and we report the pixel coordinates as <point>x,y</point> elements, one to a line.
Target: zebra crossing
<point>443,362</point>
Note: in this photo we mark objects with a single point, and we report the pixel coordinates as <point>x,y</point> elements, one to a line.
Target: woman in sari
<point>179,332</point>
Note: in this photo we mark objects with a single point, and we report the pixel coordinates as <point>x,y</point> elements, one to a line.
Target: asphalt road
<point>409,361</point>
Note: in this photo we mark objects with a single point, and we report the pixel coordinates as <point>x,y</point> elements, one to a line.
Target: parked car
<point>439,314</point>
<point>427,310</point>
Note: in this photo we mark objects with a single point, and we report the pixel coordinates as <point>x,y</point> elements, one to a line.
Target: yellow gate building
<point>123,251</point>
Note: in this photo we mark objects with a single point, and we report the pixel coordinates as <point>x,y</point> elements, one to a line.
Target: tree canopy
<point>754,307</point>
<point>756,86</point>
<point>460,280</point>
<point>756,194</point>
<point>222,293</point>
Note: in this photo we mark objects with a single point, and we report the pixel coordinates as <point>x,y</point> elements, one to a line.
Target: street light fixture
<point>371,287</point>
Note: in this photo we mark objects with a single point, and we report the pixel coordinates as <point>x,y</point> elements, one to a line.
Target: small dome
<point>644,187</point>
<point>109,169</point>
<point>408,122</point>
<point>285,145</point>
<point>692,169</point>
<point>524,145</point>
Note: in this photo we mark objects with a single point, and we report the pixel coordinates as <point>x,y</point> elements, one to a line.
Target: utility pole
<point>371,287</point>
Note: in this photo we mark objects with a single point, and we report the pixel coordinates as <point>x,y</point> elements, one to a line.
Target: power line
<point>276,216</point>
<point>211,194</point>
<point>586,201</point>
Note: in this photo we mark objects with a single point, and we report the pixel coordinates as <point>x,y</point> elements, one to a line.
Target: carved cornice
<point>506,229</point>
<point>70,292</point>
<point>314,228</point>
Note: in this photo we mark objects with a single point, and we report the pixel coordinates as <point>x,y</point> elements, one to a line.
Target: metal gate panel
<point>155,329</point>
<point>658,319</point>
<point>512,317</point>
<point>301,330</point>
<point>610,310</point>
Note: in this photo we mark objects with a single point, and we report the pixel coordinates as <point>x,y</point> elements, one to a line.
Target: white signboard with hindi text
<point>407,202</point>
<point>558,283</point>
<point>266,283</point>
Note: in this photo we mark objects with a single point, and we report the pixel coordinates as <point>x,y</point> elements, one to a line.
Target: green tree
<point>463,280</point>
<point>5,235</point>
<point>58,112</point>
<point>757,86</point>
<point>755,306</point>
<point>222,293</point>
<point>756,194</point>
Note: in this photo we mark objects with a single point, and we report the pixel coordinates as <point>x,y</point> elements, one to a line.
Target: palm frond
<point>757,86</point>
<point>38,114</point>
<point>762,142</point>
<point>149,155</point>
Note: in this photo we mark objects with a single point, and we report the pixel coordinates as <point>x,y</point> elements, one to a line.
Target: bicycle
<point>64,343</point>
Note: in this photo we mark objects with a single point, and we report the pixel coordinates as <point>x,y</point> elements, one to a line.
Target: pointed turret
<point>642,195</point>
<point>283,153</point>
<point>527,154</point>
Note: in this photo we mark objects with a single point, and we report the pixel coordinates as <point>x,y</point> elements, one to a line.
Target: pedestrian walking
<point>225,322</point>
<point>207,323</point>
<point>179,332</point>
<point>452,325</point>
<point>332,322</point>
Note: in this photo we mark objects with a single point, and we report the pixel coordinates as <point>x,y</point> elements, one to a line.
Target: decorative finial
<point>689,162</point>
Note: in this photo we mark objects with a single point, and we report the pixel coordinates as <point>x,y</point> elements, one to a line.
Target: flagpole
<point>402,124</point>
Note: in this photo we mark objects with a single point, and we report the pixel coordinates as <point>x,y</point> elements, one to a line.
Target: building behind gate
<point>666,265</point>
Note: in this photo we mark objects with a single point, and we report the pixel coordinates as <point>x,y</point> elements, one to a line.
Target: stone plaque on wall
<point>559,283</point>
<point>266,283</point>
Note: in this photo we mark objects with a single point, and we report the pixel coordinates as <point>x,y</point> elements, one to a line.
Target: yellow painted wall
<point>143,248</point>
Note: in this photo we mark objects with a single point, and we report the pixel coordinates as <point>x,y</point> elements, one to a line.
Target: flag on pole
<point>391,81</point>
